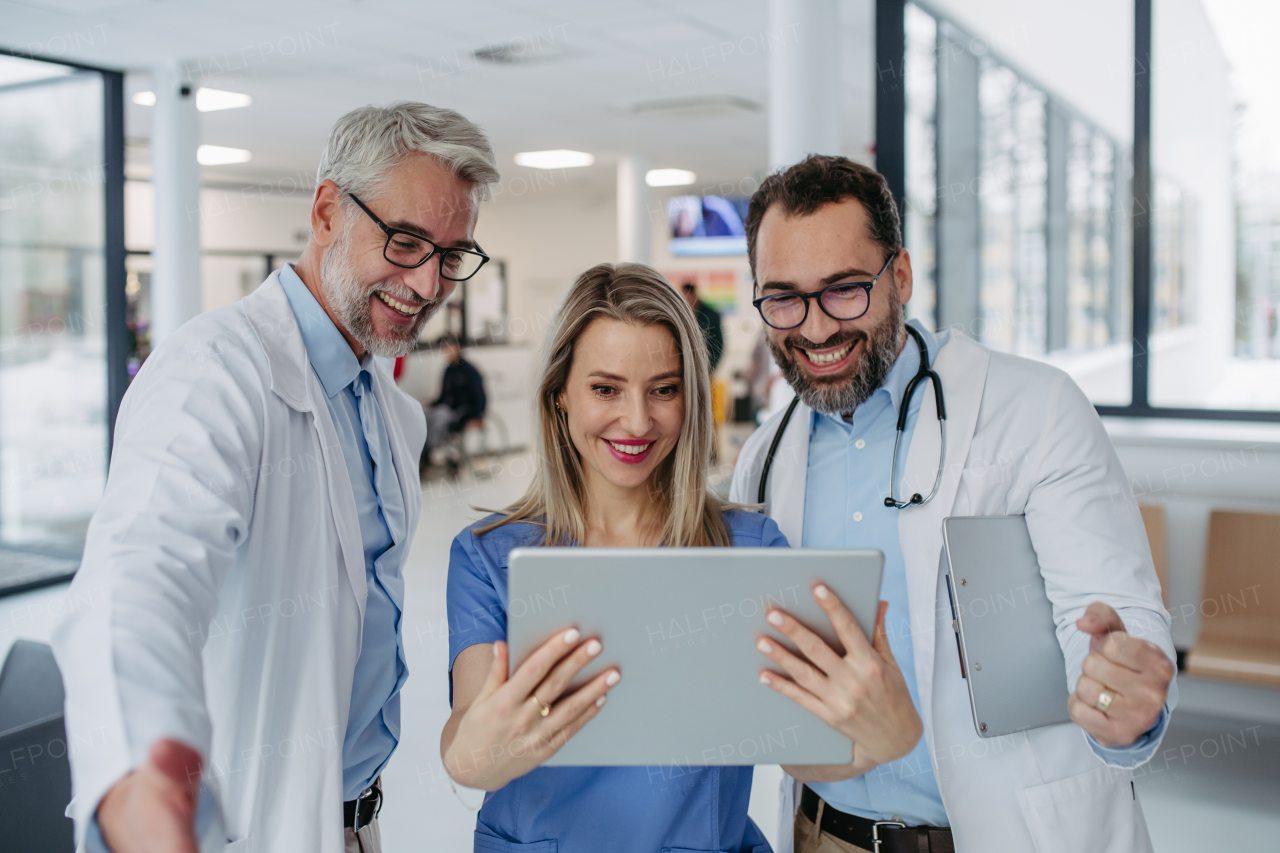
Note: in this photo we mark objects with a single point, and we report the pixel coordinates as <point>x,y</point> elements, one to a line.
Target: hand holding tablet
<point>860,693</point>
<point>514,724</point>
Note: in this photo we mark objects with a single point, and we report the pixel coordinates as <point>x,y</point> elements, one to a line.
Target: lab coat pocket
<point>492,844</point>
<point>1095,811</point>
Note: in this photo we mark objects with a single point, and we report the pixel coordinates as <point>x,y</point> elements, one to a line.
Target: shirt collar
<point>900,375</point>
<point>328,351</point>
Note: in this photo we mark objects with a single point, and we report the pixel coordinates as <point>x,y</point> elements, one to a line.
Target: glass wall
<point>919,221</point>
<point>1215,147</point>
<point>53,360</point>
<point>1021,200</point>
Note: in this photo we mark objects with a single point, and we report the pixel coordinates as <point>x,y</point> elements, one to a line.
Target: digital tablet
<point>682,624</point>
<point>1009,650</point>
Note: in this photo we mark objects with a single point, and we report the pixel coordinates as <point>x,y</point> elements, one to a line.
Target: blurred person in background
<point>461,399</point>
<point>242,683</point>
<point>625,432</point>
<point>708,321</point>
<point>825,245</point>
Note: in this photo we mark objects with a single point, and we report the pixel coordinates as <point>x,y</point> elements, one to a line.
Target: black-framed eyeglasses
<point>846,300</point>
<point>410,251</point>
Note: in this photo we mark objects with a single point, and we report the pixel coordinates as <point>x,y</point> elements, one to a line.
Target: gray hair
<point>366,143</point>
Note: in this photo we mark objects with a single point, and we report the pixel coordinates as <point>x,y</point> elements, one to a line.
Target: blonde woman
<point>625,433</point>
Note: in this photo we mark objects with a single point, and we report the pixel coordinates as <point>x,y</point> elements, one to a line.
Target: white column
<point>805,98</point>
<point>175,177</point>
<point>633,211</point>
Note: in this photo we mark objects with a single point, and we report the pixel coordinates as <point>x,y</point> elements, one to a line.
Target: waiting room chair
<point>35,775</point>
<point>1240,608</point>
<point>1153,521</point>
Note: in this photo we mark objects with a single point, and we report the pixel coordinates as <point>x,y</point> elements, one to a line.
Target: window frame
<point>113,248</point>
<point>890,148</point>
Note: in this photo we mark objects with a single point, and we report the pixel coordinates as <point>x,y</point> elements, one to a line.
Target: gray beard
<point>843,395</point>
<point>349,299</point>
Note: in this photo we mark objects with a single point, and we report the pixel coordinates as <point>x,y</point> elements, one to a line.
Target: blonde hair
<point>636,294</point>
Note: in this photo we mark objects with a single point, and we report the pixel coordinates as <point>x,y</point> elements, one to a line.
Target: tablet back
<point>682,624</point>
<point>1008,640</point>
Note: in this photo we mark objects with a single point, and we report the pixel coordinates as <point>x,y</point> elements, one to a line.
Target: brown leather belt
<point>876,836</point>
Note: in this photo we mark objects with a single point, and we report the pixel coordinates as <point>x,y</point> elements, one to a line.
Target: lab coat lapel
<point>787,478</point>
<point>962,364</point>
<point>293,380</point>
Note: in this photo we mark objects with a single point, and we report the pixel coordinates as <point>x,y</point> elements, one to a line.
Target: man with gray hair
<point>239,688</point>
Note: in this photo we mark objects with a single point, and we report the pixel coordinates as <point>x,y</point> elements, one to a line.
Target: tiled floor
<point>1214,785</point>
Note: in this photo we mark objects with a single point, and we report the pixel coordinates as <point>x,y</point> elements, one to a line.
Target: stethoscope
<point>925,372</point>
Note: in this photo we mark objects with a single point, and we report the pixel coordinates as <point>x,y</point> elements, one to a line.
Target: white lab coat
<point>1021,439</point>
<point>227,558</point>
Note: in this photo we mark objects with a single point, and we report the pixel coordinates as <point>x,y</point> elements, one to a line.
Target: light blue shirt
<point>373,727</point>
<point>847,482</point>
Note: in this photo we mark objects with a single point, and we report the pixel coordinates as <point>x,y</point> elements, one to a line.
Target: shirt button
<point>857,516</point>
<point>859,444</point>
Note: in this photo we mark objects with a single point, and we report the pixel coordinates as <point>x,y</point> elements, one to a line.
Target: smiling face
<point>378,305</point>
<point>624,401</point>
<point>833,365</point>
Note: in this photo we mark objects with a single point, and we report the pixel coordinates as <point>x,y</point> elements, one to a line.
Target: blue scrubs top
<point>591,809</point>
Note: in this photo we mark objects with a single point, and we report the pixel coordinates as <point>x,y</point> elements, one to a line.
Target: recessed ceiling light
<point>217,155</point>
<point>560,158</point>
<point>669,177</point>
<point>207,100</point>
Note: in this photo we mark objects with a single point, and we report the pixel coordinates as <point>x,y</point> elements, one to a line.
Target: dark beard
<point>840,395</point>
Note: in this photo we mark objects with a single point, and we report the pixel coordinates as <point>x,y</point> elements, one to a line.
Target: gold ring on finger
<point>543,708</point>
<point>1105,698</point>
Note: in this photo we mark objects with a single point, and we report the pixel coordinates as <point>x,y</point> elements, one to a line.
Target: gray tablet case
<point>682,624</point>
<point>1009,650</point>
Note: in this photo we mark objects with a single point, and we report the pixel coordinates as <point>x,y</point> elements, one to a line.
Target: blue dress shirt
<point>373,726</point>
<point>847,482</point>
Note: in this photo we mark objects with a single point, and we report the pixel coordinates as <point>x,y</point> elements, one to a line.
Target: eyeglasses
<point>847,300</point>
<point>410,251</point>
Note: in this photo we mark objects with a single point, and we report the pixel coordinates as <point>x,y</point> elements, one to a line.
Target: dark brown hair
<point>820,179</point>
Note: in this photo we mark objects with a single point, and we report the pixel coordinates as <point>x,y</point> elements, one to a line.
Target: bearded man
<point>239,689</point>
<point>825,245</point>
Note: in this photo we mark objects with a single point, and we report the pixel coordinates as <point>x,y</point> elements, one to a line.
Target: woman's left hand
<point>860,694</point>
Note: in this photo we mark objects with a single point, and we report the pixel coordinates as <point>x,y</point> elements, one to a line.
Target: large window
<point>59,258</point>
<point>1024,199</point>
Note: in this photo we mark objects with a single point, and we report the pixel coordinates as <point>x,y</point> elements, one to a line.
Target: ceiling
<point>551,74</point>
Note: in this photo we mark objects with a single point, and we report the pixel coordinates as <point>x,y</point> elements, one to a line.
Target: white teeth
<point>630,449</point>
<point>828,358</point>
<point>403,308</point>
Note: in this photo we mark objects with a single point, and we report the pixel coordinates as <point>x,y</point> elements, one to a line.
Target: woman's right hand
<point>501,733</point>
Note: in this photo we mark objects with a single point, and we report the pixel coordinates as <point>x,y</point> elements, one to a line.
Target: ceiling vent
<point>696,106</point>
<point>521,51</point>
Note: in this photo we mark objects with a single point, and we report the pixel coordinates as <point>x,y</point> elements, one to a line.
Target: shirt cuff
<point>1136,753</point>
<point>94,843</point>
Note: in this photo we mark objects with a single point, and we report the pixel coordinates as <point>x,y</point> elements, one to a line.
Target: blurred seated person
<point>462,398</point>
<point>708,322</point>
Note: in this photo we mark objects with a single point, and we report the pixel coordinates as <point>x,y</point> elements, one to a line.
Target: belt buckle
<point>875,831</point>
<point>365,795</point>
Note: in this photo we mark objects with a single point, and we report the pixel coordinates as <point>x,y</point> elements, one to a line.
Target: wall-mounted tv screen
<point>707,224</point>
